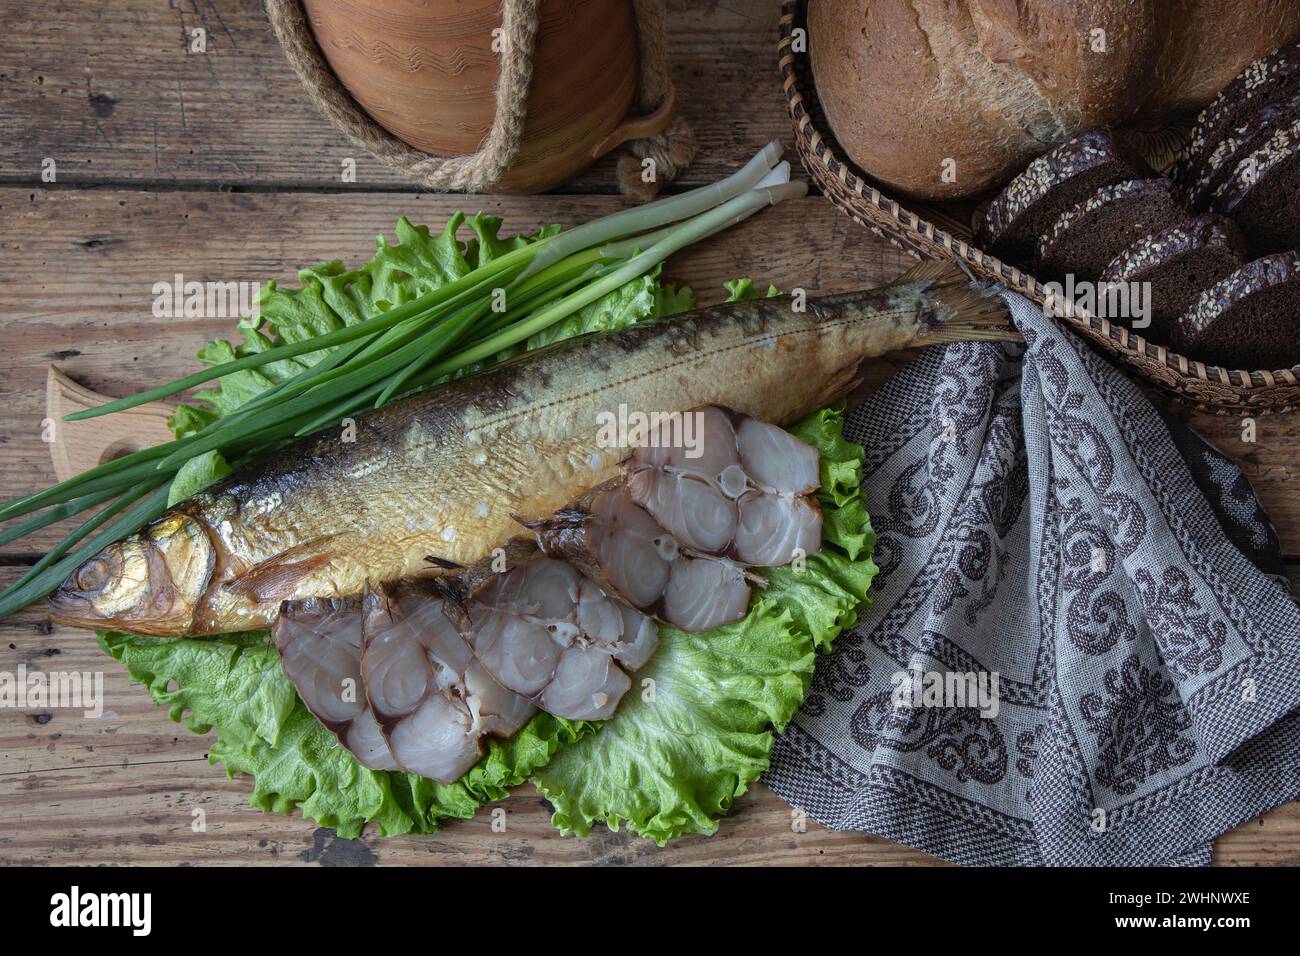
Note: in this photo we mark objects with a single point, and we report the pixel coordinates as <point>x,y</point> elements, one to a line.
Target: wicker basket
<point>942,232</point>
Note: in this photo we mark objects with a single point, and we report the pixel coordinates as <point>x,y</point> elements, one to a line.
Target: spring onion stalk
<point>443,332</point>
<point>548,292</point>
<point>85,528</point>
<point>358,330</point>
<point>37,586</point>
<point>361,349</point>
<point>729,213</point>
<point>622,249</point>
<point>658,213</point>
<point>56,513</point>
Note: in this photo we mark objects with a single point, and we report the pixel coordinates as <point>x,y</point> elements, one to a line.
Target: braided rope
<point>671,150</point>
<point>674,148</point>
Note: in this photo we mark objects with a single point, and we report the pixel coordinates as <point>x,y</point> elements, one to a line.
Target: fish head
<point>148,583</point>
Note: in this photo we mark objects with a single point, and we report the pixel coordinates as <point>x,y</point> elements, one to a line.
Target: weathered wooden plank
<point>146,815</point>
<point>80,267</point>
<point>123,788</point>
<point>111,93</point>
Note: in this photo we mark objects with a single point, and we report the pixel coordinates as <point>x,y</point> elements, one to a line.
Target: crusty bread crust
<point>987,84</point>
<point>1208,42</point>
<point>1093,156</point>
<point>1151,252</point>
<point>1260,81</point>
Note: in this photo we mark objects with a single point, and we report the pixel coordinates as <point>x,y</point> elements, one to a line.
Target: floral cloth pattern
<point>1039,519</point>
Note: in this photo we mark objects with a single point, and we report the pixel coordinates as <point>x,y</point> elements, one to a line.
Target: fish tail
<point>956,308</point>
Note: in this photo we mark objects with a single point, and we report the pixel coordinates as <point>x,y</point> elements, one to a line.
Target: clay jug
<point>426,71</point>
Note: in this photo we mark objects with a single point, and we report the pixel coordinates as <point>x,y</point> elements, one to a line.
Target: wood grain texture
<point>124,787</point>
<point>216,165</point>
<point>81,264</point>
<point>111,92</point>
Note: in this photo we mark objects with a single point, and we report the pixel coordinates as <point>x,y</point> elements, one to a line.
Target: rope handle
<point>660,134</point>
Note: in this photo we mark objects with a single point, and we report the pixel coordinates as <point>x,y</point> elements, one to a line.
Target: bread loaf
<point>942,99</point>
<point>1207,43</point>
<point>945,98</point>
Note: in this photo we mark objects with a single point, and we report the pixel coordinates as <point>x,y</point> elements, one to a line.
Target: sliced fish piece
<point>623,549</point>
<point>700,441</point>
<point>431,698</point>
<point>411,650</point>
<point>629,547</point>
<point>744,463</point>
<point>694,509</point>
<point>437,740</point>
<point>517,651</point>
<point>546,632</point>
<point>775,460</point>
<point>640,638</point>
<point>319,642</point>
<point>497,711</point>
<point>776,529</point>
<point>587,685</point>
<point>703,594</point>
<point>366,741</point>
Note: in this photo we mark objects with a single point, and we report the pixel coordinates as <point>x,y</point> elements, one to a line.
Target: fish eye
<point>92,575</point>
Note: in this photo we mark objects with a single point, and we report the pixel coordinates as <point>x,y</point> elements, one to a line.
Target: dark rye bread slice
<point>1236,145</point>
<point>1250,320</point>
<point>1268,79</point>
<point>1087,236</point>
<point>1051,184</point>
<point>1263,193</point>
<point>1179,262</point>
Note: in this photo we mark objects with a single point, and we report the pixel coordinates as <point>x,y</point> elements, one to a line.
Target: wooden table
<point>215,165</point>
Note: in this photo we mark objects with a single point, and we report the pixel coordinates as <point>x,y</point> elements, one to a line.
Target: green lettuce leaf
<point>699,718</point>
<point>234,683</point>
<point>196,474</point>
<point>696,729</point>
<point>739,290</point>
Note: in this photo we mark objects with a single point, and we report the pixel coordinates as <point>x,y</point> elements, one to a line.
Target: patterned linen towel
<point>1103,575</point>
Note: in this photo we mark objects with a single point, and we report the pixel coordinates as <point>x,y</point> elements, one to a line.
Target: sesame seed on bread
<point>1249,320</point>
<point>1178,262</point>
<point>1051,184</point>
<point>1263,193</point>
<point>1086,237</point>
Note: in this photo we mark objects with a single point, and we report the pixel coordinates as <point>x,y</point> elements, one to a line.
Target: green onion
<point>35,586</point>
<point>338,337</point>
<point>452,329</point>
<point>56,513</point>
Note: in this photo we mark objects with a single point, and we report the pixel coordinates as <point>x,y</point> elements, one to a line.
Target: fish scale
<point>321,517</point>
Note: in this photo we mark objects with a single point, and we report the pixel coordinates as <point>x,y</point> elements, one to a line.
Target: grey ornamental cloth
<point>1039,519</point>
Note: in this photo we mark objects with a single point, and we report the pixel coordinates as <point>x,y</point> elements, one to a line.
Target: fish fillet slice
<point>745,494</point>
<point>432,700</point>
<point>547,633</point>
<point>319,642</point>
<point>675,535</point>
